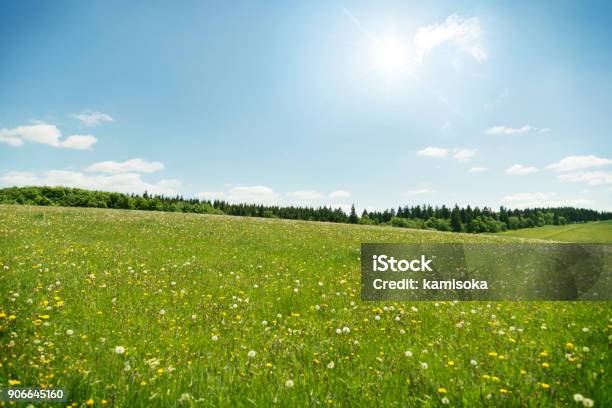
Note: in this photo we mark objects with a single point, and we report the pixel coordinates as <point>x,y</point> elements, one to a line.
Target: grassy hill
<point>600,232</point>
<point>130,308</point>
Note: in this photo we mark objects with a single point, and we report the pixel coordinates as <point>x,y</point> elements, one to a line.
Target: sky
<point>380,104</point>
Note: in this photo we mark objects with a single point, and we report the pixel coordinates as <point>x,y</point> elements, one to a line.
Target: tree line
<point>457,219</point>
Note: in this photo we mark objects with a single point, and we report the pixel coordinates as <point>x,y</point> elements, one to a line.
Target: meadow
<point>600,232</point>
<point>130,308</point>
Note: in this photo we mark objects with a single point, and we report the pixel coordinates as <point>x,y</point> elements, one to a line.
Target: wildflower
<point>441,390</point>
<point>289,383</point>
<point>408,353</point>
<point>69,332</point>
<point>544,353</point>
<point>545,386</point>
<point>193,317</point>
<point>89,402</point>
<point>119,349</point>
<point>346,330</point>
<point>251,354</point>
<point>585,329</point>
<point>162,312</point>
<point>450,363</point>
<point>214,337</point>
<point>424,365</point>
<point>14,382</point>
<point>569,346</point>
<point>474,362</point>
<point>330,365</point>
<point>445,401</point>
<point>492,354</point>
<point>587,402</point>
<point>338,331</point>
<point>377,317</point>
<point>545,365</point>
<point>184,397</point>
<point>578,397</point>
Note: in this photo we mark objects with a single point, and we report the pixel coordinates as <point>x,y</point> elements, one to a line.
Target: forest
<point>441,218</point>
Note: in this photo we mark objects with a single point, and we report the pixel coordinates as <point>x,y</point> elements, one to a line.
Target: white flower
<point>445,401</point>
<point>424,365</point>
<point>69,332</point>
<point>460,324</point>
<point>317,307</point>
<point>193,317</point>
<point>214,337</point>
<point>251,354</point>
<point>408,353</point>
<point>377,317</point>
<point>289,383</point>
<point>587,402</point>
<point>162,312</point>
<point>474,362</point>
<point>338,331</point>
<point>119,349</point>
<point>346,329</point>
<point>295,290</point>
<point>184,397</point>
<point>585,329</point>
<point>578,397</point>
<point>264,322</point>
<point>414,309</point>
<point>586,349</point>
<point>330,365</point>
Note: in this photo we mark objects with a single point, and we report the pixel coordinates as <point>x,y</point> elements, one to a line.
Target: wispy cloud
<point>339,194</point>
<point>579,162</point>
<point>128,166</point>
<point>521,170</point>
<point>464,155</point>
<point>540,199</point>
<point>463,33</point>
<point>419,191</point>
<point>506,130</point>
<point>43,133</point>
<point>92,118</point>
<point>123,183</point>
<point>477,169</point>
<point>592,178</point>
<point>439,152</point>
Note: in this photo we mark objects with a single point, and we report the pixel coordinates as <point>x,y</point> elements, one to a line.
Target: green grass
<point>600,232</point>
<point>188,296</point>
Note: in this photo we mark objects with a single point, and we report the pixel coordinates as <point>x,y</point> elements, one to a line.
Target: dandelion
<point>346,330</point>
<point>89,402</point>
<point>289,383</point>
<point>578,397</point>
<point>569,346</point>
<point>441,390</point>
<point>69,332</point>
<point>408,353</point>
<point>330,365</point>
<point>473,362</point>
<point>193,317</point>
<point>503,391</point>
<point>377,317</point>
<point>587,402</point>
<point>424,365</point>
<point>450,363</point>
<point>585,329</point>
<point>445,401</point>
<point>338,331</point>
<point>251,354</point>
<point>162,312</point>
<point>545,386</point>
<point>214,337</point>
<point>14,382</point>
<point>545,365</point>
<point>119,349</point>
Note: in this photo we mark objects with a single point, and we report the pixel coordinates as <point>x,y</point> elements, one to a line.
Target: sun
<point>390,54</point>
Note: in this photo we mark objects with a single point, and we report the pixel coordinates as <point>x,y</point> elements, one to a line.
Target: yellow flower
<point>441,390</point>
<point>492,354</point>
<point>503,391</point>
<point>14,382</point>
<point>569,345</point>
<point>544,353</point>
<point>143,383</point>
<point>2,314</point>
<point>545,365</point>
<point>450,363</point>
<point>12,317</point>
<point>160,371</point>
<point>104,402</point>
<point>269,365</point>
<point>495,379</point>
<point>90,402</point>
<point>545,386</point>
<point>45,316</point>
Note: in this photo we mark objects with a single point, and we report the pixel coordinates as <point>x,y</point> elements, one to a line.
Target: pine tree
<point>353,219</point>
<point>455,222</point>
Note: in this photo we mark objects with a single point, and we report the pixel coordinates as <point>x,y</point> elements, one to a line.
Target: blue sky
<point>373,103</point>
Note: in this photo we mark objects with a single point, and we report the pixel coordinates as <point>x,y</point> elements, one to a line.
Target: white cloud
<point>123,183</point>
<point>464,155</point>
<point>520,170</point>
<point>477,169</point>
<point>505,130</point>
<point>419,191</point>
<point>307,195</point>
<point>592,178</point>
<point>211,195</point>
<point>339,194</point>
<point>464,33</point>
<point>47,134</point>
<point>253,194</point>
<point>579,162</point>
<point>439,152</point>
<point>539,199</point>
<point>92,118</point>
<point>133,165</point>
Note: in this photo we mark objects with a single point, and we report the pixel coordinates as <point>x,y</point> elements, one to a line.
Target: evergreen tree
<point>353,219</point>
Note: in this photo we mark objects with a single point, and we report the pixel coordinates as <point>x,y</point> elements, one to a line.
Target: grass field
<point>600,232</point>
<point>128,308</point>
